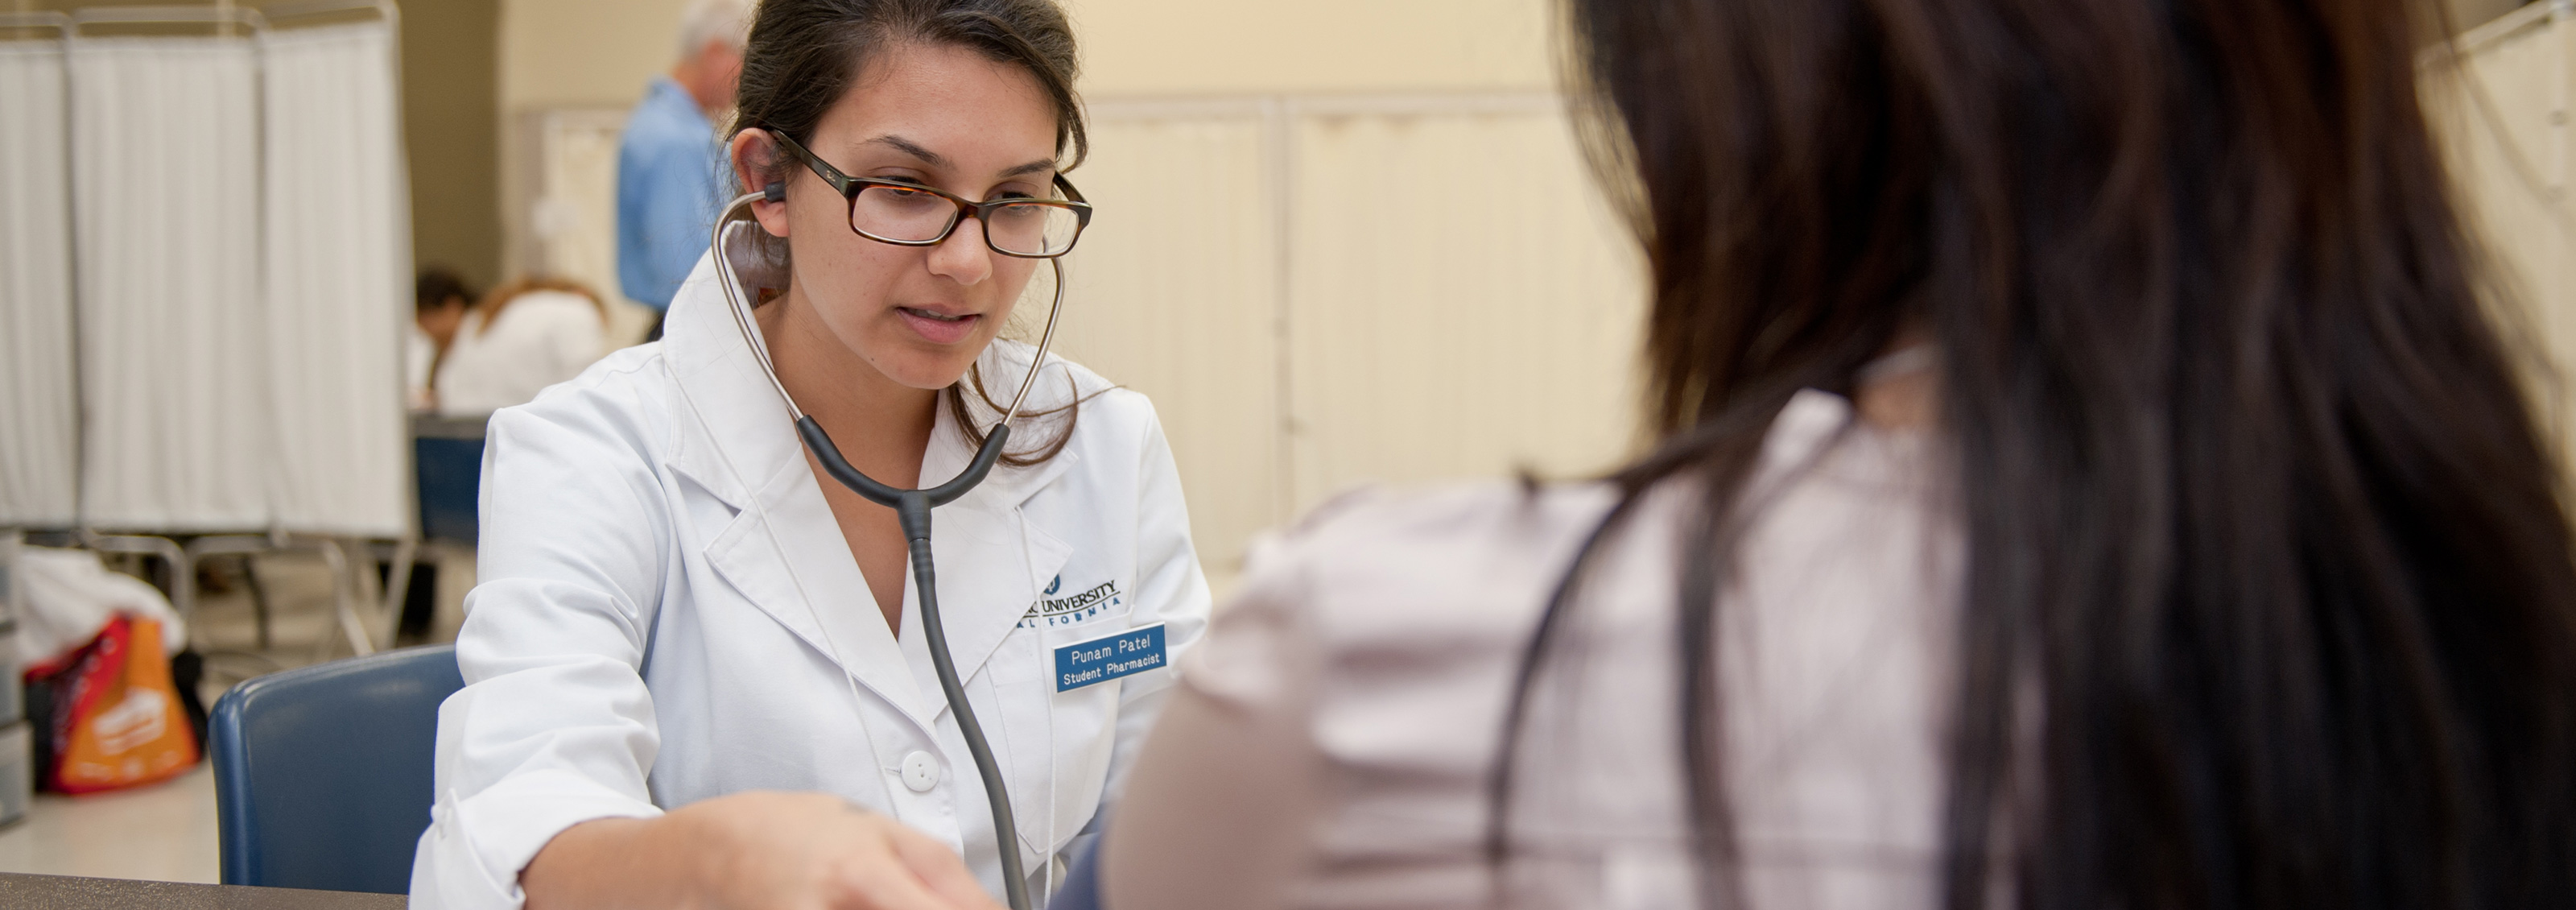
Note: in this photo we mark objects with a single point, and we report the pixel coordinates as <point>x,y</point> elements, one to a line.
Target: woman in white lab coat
<point>694,669</point>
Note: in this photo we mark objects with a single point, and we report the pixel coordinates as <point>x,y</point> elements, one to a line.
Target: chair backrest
<point>449,472</point>
<point>322,774</point>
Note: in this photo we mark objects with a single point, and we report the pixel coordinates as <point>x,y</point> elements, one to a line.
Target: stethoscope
<point>912,511</point>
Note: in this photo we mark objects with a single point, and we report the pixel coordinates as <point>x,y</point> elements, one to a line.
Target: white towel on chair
<point>70,596</point>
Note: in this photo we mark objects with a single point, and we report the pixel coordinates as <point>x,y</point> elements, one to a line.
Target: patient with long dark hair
<point>2087,478</point>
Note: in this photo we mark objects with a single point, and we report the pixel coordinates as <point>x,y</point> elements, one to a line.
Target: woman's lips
<point>938,330</point>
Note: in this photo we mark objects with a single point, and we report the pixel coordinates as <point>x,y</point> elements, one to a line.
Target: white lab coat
<point>666,609</point>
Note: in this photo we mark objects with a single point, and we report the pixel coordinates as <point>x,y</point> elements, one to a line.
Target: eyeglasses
<point>904,213</point>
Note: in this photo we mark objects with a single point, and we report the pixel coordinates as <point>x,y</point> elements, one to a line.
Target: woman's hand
<point>752,851</point>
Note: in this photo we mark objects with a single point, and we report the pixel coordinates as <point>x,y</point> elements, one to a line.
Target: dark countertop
<point>59,892</point>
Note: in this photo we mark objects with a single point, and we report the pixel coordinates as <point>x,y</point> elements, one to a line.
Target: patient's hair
<point>806,54</point>
<point>437,286</point>
<point>2268,598</point>
<point>499,299</point>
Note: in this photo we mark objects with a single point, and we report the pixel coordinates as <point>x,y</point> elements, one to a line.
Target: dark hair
<point>499,299</point>
<point>2259,526</point>
<point>437,285</point>
<point>804,55</point>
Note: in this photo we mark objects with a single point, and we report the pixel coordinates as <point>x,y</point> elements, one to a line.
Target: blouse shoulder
<point>1376,561</point>
<point>1410,531</point>
<point>1445,568</point>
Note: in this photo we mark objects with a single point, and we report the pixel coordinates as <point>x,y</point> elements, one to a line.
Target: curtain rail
<point>48,19</point>
<point>255,18</point>
<point>299,9</point>
<point>168,15</point>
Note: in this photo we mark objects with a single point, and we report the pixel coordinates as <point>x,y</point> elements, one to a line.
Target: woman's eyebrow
<point>937,160</point>
<point>909,147</point>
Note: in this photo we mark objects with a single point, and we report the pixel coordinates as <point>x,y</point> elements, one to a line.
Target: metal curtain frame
<point>348,585</point>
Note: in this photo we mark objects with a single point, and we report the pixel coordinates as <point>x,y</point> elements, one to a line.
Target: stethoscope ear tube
<point>912,510</point>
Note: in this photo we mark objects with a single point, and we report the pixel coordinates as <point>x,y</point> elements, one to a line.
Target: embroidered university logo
<point>1051,610</point>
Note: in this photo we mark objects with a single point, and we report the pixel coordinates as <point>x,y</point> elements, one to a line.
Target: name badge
<point>1108,657</point>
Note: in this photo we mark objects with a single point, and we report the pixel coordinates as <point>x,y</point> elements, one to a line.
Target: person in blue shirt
<point>668,159</point>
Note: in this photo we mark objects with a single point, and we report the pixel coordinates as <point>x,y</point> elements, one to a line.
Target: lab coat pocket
<point>1060,742</point>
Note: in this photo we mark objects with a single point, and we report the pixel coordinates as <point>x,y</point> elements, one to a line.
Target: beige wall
<point>2472,13</point>
<point>582,53</point>
<point>1326,291</point>
<point>1163,47</point>
<point>451,134</point>
<point>2504,114</point>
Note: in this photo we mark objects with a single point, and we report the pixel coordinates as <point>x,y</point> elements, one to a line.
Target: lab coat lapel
<point>782,550</point>
<point>992,561</point>
<point>788,557</point>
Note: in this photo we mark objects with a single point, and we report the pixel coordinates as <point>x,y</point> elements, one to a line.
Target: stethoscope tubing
<point>912,511</point>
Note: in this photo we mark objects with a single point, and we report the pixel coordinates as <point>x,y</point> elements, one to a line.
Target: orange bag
<point>118,721</point>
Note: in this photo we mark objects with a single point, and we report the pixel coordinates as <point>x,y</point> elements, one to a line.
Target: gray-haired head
<point>708,21</point>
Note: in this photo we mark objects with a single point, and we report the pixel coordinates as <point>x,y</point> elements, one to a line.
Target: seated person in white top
<point>523,337</point>
<point>2088,480</point>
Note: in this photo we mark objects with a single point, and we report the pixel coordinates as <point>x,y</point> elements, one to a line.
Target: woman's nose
<point>963,257</point>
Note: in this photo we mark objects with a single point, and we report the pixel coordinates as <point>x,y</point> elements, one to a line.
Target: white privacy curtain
<point>165,177</point>
<point>338,274</point>
<point>38,407</point>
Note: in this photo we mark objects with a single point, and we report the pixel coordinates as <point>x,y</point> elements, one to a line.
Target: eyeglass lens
<point>1033,228</point>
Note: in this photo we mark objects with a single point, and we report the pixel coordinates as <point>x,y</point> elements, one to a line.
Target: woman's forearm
<point>624,863</point>
<point>760,849</point>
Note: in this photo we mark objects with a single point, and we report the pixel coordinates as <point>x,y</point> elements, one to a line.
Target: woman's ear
<point>755,164</point>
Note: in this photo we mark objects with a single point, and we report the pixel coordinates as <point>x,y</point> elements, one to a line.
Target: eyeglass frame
<point>850,187</point>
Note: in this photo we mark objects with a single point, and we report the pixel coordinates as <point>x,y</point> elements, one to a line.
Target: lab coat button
<point>920,772</point>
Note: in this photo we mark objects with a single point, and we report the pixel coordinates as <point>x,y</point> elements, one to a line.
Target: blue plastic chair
<point>449,474</point>
<point>322,774</point>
